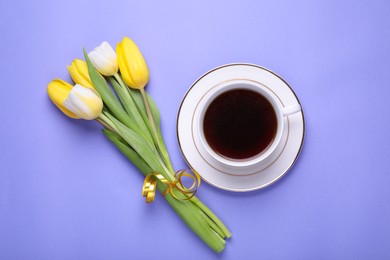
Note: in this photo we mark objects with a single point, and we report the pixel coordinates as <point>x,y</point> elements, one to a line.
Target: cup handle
<point>287,111</point>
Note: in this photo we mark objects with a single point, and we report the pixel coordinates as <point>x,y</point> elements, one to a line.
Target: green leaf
<point>143,148</point>
<point>158,140</point>
<point>132,110</point>
<point>134,157</point>
<point>136,94</point>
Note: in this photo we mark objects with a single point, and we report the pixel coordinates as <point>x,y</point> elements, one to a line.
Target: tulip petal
<point>84,102</point>
<point>104,59</point>
<point>108,49</point>
<point>132,64</point>
<point>123,66</point>
<point>126,59</point>
<point>78,70</point>
<point>58,91</point>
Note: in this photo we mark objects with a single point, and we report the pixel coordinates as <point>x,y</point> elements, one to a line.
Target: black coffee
<point>239,124</point>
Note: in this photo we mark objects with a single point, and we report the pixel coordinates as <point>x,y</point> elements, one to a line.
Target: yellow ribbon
<point>150,185</point>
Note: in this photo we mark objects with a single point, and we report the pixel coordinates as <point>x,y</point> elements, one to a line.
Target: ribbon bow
<point>150,185</point>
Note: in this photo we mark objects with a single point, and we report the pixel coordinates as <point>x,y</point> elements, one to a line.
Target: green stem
<point>153,132</point>
<point>211,215</point>
<point>159,142</point>
<point>194,220</point>
<point>106,122</point>
<point>147,107</point>
<point>212,224</point>
<point>164,152</point>
<point>121,83</point>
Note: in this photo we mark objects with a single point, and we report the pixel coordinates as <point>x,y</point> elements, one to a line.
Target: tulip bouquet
<point>110,88</point>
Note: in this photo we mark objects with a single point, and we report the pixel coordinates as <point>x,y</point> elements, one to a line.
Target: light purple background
<point>67,193</point>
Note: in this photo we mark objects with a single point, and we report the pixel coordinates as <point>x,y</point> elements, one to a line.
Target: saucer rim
<point>303,122</point>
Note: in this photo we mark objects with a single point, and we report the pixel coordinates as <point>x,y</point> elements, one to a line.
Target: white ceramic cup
<point>257,162</point>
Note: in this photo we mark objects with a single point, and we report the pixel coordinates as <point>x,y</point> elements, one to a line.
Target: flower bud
<point>58,90</point>
<point>78,71</point>
<point>104,59</point>
<point>132,64</point>
<point>84,102</point>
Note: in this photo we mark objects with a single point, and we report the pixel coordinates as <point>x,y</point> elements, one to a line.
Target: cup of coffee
<point>239,126</point>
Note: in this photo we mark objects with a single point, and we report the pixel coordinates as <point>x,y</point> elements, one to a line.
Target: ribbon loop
<point>150,185</point>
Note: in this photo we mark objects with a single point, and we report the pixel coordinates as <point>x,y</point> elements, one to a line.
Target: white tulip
<point>84,102</point>
<point>104,59</point>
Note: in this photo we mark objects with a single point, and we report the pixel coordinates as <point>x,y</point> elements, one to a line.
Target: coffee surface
<point>239,124</point>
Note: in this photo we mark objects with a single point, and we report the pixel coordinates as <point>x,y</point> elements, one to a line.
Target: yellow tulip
<point>84,102</point>
<point>132,65</point>
<point>78,71</point>
<point>75,102</point>
<point>58,90</point>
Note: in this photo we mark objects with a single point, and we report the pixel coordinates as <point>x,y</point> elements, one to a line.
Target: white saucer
<point>251,181</point>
